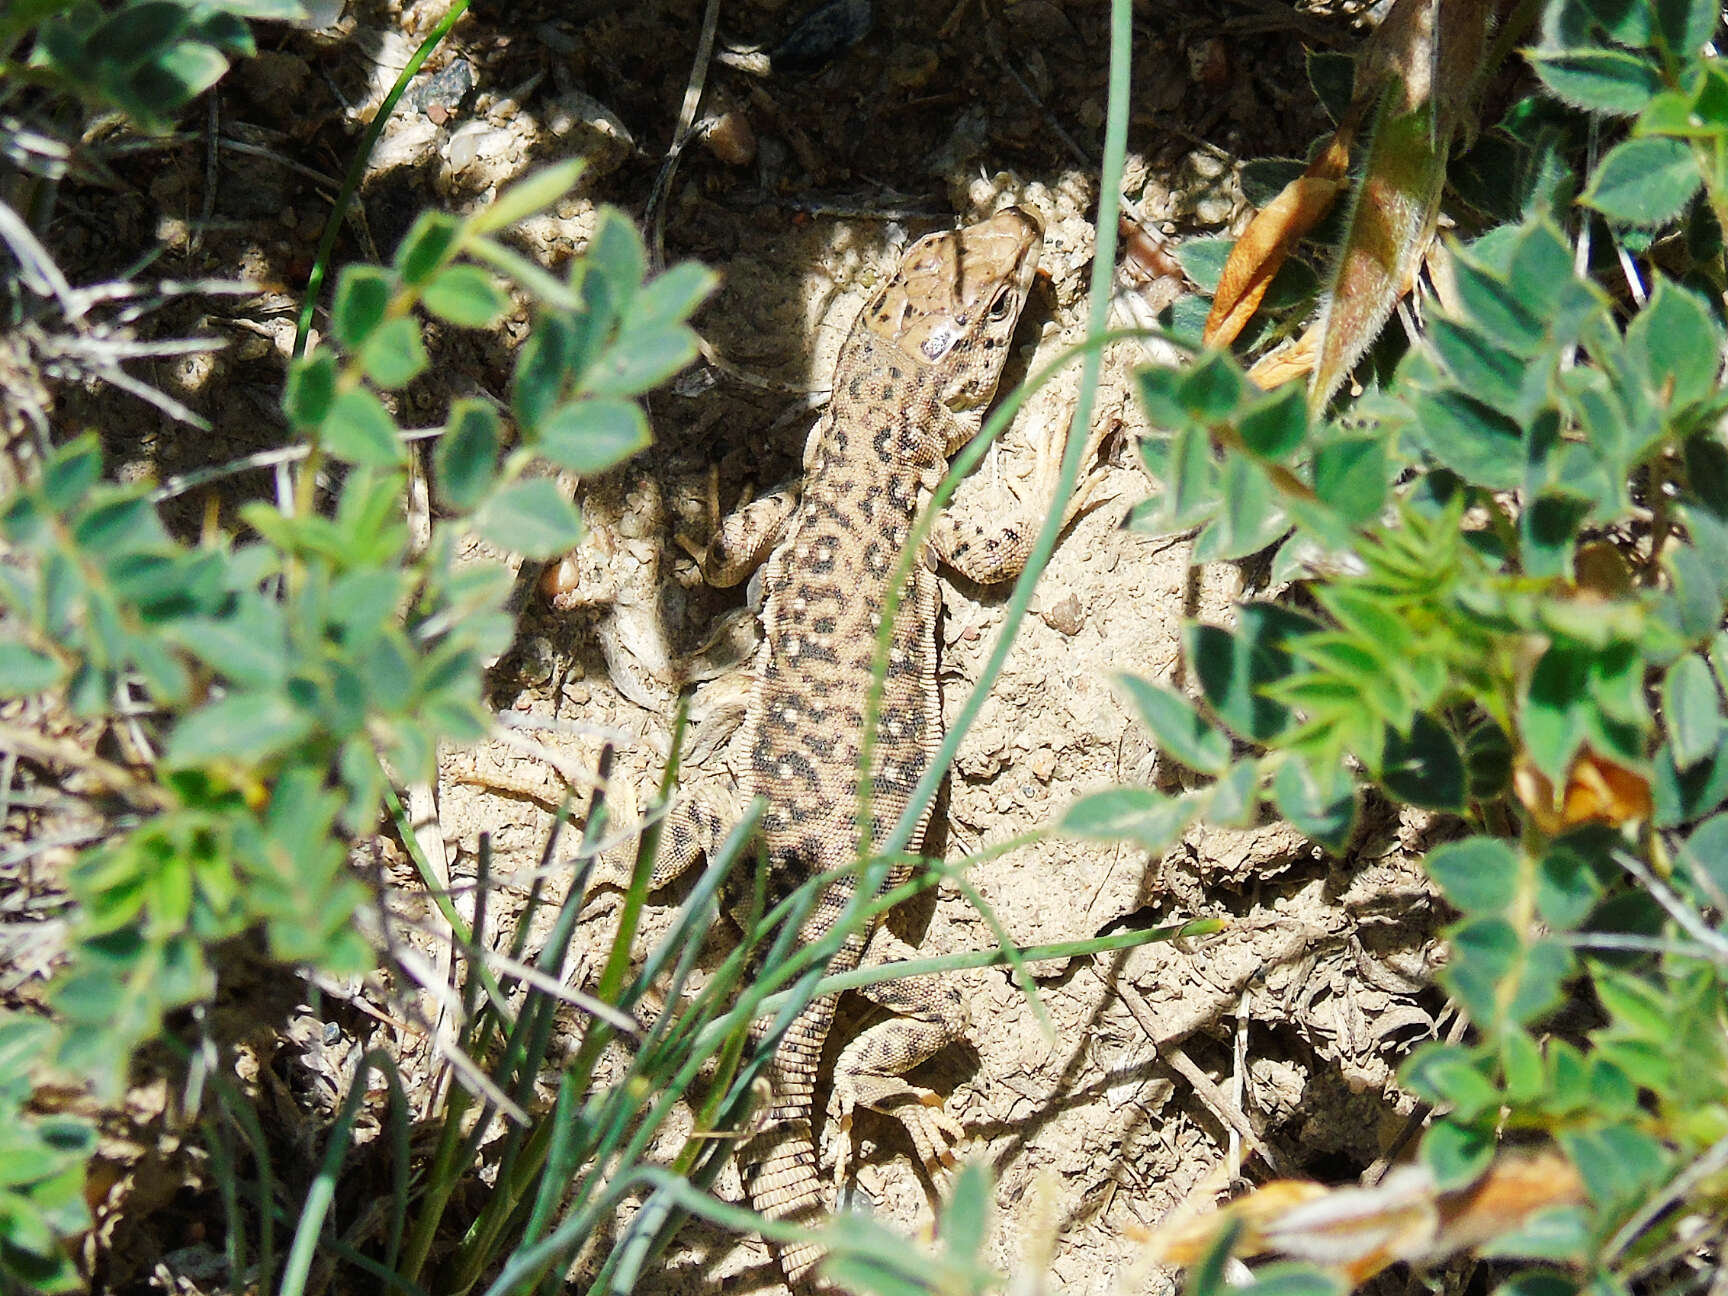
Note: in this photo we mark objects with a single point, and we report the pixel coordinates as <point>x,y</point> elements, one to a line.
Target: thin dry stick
<point>655,214</point>
<point>1216,1100</point>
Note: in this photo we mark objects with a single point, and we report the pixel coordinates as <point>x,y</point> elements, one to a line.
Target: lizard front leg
<point>990,554</point>
<point>930,1014</point>
<point>694,829</point>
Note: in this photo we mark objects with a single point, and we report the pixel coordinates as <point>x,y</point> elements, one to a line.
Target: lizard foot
<point>934,1133</point>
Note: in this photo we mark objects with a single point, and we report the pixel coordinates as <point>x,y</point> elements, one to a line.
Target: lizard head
<point>956,299</point>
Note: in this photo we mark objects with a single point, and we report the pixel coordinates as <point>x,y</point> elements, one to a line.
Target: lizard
<point>911,384</point>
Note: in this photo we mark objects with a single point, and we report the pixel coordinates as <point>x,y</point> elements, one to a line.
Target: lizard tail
<point>786,1185</point>
<point>782,1173</point>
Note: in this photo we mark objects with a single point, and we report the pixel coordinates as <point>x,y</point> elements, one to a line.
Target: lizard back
<point>910,386</point>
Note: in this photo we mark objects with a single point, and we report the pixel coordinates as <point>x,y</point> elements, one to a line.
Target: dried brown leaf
<point>1355,1232</point>
<point>1261,251</point>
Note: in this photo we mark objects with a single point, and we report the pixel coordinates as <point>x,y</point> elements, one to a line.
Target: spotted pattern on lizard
<point>911,385</point>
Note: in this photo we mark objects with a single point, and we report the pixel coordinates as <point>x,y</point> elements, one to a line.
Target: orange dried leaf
<point>1509,1192</point>
<point>1293,361</point>
<point>1262,250</point>
<point>1186,1241</point>
<point>1599,790</point>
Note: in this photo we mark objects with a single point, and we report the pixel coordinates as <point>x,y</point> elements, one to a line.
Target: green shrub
<point>1506,593</point>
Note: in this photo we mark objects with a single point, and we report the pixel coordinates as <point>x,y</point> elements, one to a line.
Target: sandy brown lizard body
<point>910,387</point>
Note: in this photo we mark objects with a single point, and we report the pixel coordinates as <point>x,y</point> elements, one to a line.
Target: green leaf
<point>466,459</point>
<point>1696,591</point>
<point>24,670</point>
<point>1548,534</point>
<point>1212,388</point>
<point>128,36</point>
<point>533,518</point>
<point>1183,464</point>
<point>1424,768</point>
<point>1611,1093</point>
<point>1693,710</point>
<point>359,430</point>
<point>1553,720</point>
<point>1275,426</point>
<point>615,255</point>
<point>1600,80</point>
<point>1291,1280</point>
<point>118,524</point>
<point>528,195</point>
<point>362,298</point>
<point>967,1215</point>
<point>430,241</point>
<point>1140,815</point>
<point>1323,810</point>
<point>1456,1154</point>
<point>310,390</point>
<point>1477,875</point>
<point>1677,342</point>
<point>591,436</point>
<point>1160,391</point>
<point>1560,1233</point>
<point>70,473</point>
<point>1573,875</point>
<point>1497,977</point>
<point>1177,727</point>
<point>1480,365</point>
<point>465,295</point>
<point>1350,477</point>
<point>244,727</point>
<point>1489,300</point>
<point>1618,1163</point>
<point>1447,1075</point>
<point>1232,669</point>
<point>1686,25</point>
<point>1480,444</point>
<point>670,298</point>
<point>1706,856</point>
<point>637,361</point>
<point>394,355</point>
<point>1234,800</point>
<point>1644,181</point>
<point>545,365</point>
<point>1248,518</point>
<point>1487,761</point>
<point>1202,260</point>
<point>1521,1065</point>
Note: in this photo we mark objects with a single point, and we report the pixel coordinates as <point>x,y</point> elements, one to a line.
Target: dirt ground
<point>1268,1050</point>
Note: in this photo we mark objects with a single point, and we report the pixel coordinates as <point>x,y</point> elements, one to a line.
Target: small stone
<point>1042,763</point>
<point>561,580</point>
<point>731,138</point>
<point>911,67</point>
<point>1065,616</point>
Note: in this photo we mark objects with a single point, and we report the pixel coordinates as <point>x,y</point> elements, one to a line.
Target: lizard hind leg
<point>989,553</point>
<point>929,1015</point>
<point>694,828</point>
<point>743,538</point>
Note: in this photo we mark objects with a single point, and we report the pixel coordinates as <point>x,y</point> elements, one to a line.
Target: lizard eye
<point>1003,304</point>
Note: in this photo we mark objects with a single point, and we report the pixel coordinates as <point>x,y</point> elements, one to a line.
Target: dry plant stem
<point>1217,1101</point>
<point>108,776</point>
<point>660,195</point>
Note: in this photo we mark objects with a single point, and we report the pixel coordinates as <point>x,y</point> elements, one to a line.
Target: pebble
<point>1065,616</point>
<point>731,138</point>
